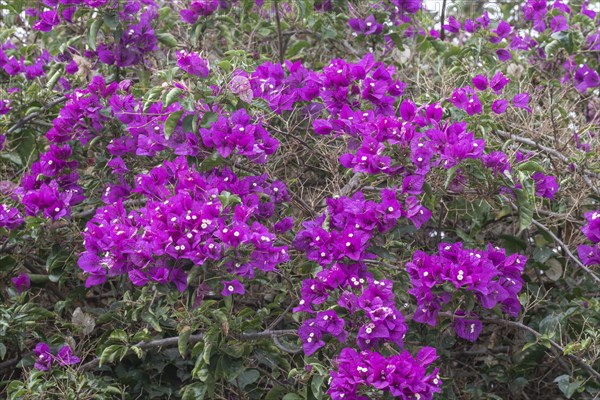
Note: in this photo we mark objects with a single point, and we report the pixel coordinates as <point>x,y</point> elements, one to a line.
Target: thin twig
<point>158,343</point>
<point>566,249</point>
<point>352,184</point>
<point>585,172</point>
<point>561,351</point>
<point>442,20</point>
<point>173,341</point>
<point>14,361</point>
<point>285,348</point>
<point>268,333</point>
<point>33,115</point>
<point>558,348</point>
<point>280,317</point>
<point>279,35</point>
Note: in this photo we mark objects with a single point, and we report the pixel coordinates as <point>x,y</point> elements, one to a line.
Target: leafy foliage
<point>304,200</point>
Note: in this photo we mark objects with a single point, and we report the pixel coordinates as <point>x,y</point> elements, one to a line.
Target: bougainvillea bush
<point>302,200</point>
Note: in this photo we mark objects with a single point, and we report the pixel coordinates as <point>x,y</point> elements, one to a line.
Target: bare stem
<point>279,34</point>
<point>558,349</point>
<point>567,251</point>
<point>173,341</point>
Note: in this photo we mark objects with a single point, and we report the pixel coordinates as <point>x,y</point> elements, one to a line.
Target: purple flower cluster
<point>554,16</point>
<point>190,218</point>
<point>22,282</point>
<point>10,217</point>
<point>13,66</point>
<point>502,33</point>
<point>48,20</point>
<point>197,9</point>
<point>137,40</point>
<point>403,376</point>
<point>370,305</point>
<point>340,83</point>
<point>466,98</point>
<point>491,276</point>
<point>343,83</point>
<point>192,63</point>
<point>64,11</point>
<point>590,255</point>
<point>5,107</point>
<point>145,127</point>
<point>545,185</point>
<point>51,186</point>
<point>352,223</point>
<point>313,329</point>
<point>585,78</point>
<point>367,26</point>
<point>269,82</point>
<point>81,118</point>
<point>45,359</point>
<point>338,241</point>
<point>536,11</point>
<point>238,133</point>
<point>419,133</point>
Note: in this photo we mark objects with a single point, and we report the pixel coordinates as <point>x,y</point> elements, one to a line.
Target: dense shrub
<point>302,200</point>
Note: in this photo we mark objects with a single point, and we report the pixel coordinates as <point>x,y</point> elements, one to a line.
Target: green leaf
<point>530,166</point>
<point>2,351</point>
<point>208,118</point>
<point>292,396</point>
<point>138,351</point>
<point>39,279</point>
<point>195,391</point>
<point>171,123</point>
<point>450,175</point>
<point>550,325</point>
<point>207,352</point>
<point>93,33</point>
<point>151,97</point>
<point>525,210</point>
<point>566,386</point>
<point>316,385</point>
<point>119,335</point>
<point>236,350</point>
<point>12,157</point>
<point>528,345</point>
<point>167,39</point>
<point>188,123</point>
<point>184,340</point>
<point>247,378</point>
<point>113,351</point>
<point>211,162</point>
<point>172,96</point>
<point>294,49</point>
<point>227,199</point>
<point>56,260</point>
<point>552,48</point>
<point>555,270</point>
<point>111,20</point>
<point>225,65</point>
<point>53,79</point>
<point>152,320</point>
<point>211,340</point>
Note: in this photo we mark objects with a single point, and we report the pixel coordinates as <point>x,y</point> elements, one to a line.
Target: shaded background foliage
<point>155,342</point>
